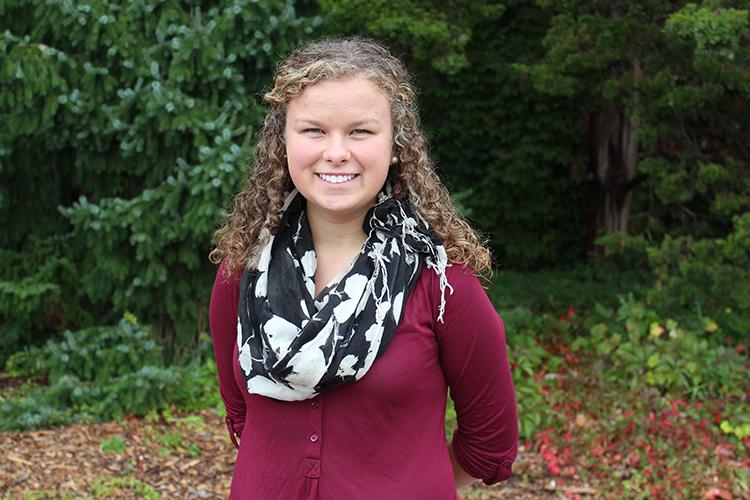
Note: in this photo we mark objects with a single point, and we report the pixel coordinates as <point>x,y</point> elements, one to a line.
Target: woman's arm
<point>223,323</point>
<point>475,362</point>
<point>462,477</point>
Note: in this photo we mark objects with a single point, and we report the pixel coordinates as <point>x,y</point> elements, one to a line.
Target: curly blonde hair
<point>255,212</point>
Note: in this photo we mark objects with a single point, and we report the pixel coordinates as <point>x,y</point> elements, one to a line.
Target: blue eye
<point>360,131</point>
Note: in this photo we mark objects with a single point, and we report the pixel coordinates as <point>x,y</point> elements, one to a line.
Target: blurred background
<point>602,147</point>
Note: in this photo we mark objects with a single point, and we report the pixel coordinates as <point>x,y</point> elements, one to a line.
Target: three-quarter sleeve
<point>475,363</point>
<point>223,323</point>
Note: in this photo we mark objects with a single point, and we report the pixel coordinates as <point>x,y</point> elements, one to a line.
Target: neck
<point>341,232</point>
<point>337,241</point>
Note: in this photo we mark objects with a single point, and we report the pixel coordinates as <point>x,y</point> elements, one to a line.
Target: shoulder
<point>462,294</point>
<point>226,285</point>
<point>223,308</point>
<point>465,293</point>
<point>227,277</point>
<point>469,318</point>
<point>458,275</point>
<point>461,275</point>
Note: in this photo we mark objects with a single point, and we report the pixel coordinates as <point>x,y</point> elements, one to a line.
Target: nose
<point>336,151</point>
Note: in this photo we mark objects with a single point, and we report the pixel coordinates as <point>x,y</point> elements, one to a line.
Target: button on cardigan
<point>384,435</point>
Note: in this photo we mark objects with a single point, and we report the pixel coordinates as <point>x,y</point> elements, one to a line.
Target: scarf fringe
<point>438,262</point>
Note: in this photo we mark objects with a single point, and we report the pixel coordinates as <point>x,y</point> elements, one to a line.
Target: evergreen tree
<point>124,127</point>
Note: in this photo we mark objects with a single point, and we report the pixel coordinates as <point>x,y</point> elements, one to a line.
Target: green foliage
<point>555,291</point>
<point>24,363</point>
<point>40,494</point>
<point>741,430</point>
<point>634,344</point>
<point>115,444</point>
<point>678,73</point>
<point>135,119</point>
<point>649,404</point>
<point>598,329</point>
<point>37,292</point>
<point>638,444</point>
<point>101,354</point>
<point>171,440</point>
<point>533,368</point>
<point>432,32</point>
<point>692,278</point>
<point>514,147</point>
<point>715,31</point>
<point>102,373</point>
<point>109,487</point>
<point>508,150</point>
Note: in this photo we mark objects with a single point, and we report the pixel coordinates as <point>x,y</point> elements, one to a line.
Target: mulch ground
<point>188,457</point>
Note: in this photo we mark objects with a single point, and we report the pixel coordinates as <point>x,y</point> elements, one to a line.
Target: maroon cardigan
<point>384,435</point>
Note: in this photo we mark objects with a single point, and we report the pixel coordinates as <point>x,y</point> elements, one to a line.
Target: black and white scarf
<point>293,345</point>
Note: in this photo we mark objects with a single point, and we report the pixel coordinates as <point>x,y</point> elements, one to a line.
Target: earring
<point>394,159</point>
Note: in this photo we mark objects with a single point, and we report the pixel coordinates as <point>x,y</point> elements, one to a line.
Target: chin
<point>344,208</point>
<point>341,209</point>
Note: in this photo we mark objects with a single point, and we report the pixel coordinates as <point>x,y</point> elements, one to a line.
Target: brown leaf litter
<point>189,457</point>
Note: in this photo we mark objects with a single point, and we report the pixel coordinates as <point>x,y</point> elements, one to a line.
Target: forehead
<point>356,94</point>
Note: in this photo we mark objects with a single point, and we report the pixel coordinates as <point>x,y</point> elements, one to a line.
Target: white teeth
<point>336,179</point>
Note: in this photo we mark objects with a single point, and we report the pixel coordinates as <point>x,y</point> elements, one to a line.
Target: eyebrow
<point>358,123</point>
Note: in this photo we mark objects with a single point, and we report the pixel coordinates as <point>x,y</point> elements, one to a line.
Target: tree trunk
<point>614,155</point>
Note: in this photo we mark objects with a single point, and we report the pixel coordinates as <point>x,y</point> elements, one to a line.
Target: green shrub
<point>690,279</point>
<point>708,276</point>
<point>37,294</point>
<point>533,368</point>
<point>125,127</point>
<point>103,373</point>
<point>635,344</point>
<point>554,291</point>
<point>101,354</point>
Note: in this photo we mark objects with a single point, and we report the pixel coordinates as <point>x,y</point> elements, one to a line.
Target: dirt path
<point>189,457</point>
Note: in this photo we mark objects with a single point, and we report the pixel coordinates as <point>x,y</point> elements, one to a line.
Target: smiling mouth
<point>337,179</point>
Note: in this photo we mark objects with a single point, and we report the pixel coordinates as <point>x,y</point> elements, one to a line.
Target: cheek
<point>376,156</point>
<point>300,155</point>
<point>299,151</point>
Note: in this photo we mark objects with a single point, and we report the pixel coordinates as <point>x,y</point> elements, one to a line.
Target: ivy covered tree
<point>666,91</point>
<point>507,151</point>
<point>124,127</point>
<point>666,88</point>
<point>561,122</point>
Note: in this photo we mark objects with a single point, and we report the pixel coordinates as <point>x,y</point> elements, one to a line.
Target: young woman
<point>346,303</point>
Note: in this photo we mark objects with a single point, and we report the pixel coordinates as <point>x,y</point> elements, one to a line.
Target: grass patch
<point>42,494</point>
<point>115,444</point>
<point>109,487</point>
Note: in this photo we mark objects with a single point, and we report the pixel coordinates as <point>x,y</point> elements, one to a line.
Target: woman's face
<point>339,144</point>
